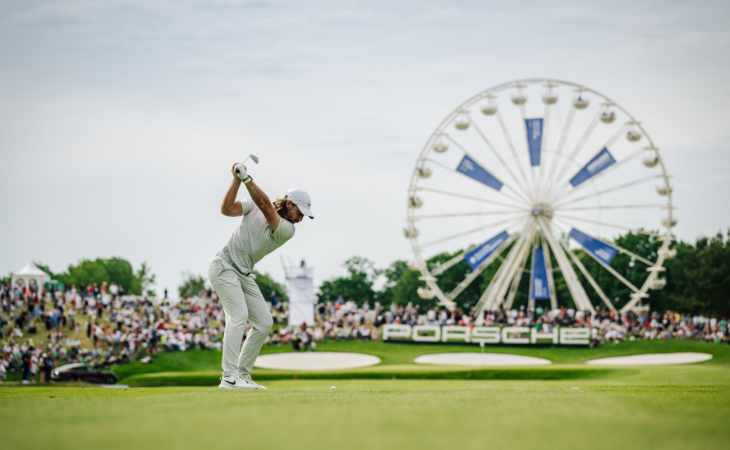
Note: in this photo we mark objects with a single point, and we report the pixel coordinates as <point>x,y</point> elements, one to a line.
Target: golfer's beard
<point>285,212</point>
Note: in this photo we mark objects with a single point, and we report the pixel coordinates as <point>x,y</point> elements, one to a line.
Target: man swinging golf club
<point>265,226</point>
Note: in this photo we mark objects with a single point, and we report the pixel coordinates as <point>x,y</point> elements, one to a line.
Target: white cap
<point>300,198</point>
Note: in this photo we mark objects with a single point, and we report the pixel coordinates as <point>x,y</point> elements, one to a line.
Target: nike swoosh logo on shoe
<point>229,382</point>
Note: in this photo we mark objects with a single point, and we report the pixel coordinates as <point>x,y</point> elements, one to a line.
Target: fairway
<point>668,407</point>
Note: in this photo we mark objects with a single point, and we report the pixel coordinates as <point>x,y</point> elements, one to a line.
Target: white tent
<point>27,273</point>
<point>300,287</point>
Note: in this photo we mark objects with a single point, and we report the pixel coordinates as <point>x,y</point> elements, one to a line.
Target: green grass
<point>201,368</point>
<point>634,412</point>
<point>567,406</point>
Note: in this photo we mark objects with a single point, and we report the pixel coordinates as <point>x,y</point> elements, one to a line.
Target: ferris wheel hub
<point>542,210</point>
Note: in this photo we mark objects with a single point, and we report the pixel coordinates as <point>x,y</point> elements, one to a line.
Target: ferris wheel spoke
<point>614,245</point>
<point>510,144</point>
<point>635,299</point>
<point>466,197</point>
<point>559,149</point>
<point>606,191</point>
<point>561,195</point>
<point>601,207</point>
<point>543,147</point>
<point>467,214</point>
<point>587,243</point>
<point>491,189</point>
<point>594,222</point>
<point>609,143</point>
<point>478,271</point>
<point>578,146</point>
<point>591,280</point>
<point>448,264</point>
<point>615,273</point>
<point>470,231</point>
<point>571,278</point>
<point>523,188</point>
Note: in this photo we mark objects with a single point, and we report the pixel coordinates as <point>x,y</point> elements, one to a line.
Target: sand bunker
<point>315,361</point>
<point>480,359</point>
<point>652,359</point>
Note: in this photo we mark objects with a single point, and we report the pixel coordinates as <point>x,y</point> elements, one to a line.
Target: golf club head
<point>253,158</point>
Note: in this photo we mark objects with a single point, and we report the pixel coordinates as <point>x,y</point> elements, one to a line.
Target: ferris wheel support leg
<point>580,298</point>
<point>518,273</point>
<point>551,280</point>
<point>502,283</point>
<point>485,301</point>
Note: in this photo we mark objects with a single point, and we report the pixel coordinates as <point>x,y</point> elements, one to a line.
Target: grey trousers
<point>242,302</point>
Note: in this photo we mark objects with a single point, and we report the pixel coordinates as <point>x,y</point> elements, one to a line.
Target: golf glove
<point>241,171</point>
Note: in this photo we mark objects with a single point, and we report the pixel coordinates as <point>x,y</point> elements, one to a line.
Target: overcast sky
<point>119,120</point>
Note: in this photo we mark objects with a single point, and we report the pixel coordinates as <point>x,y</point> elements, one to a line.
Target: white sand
<point>480,359</point>
<point>315,361</point>
<point>652,359</point>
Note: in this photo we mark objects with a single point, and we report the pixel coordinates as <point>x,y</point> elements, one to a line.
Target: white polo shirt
<point>254,239</point>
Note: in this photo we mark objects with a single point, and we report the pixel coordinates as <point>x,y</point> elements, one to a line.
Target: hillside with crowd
<point>42,329</point>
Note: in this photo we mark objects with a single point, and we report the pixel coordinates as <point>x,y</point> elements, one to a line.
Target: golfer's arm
<point>230,207</point>
<point>261,200</point>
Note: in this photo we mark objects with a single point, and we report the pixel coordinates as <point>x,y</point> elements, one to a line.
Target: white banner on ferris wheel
<point>539,289</point>
<point>477,256</point>
<point>534,139</point>
<point>472,169</point>
<point>602,161</point>
<point>599,249</point>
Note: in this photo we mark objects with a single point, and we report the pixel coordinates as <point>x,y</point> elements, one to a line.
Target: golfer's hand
<point>240,171</point>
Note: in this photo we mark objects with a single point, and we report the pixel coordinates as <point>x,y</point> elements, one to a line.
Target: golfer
<point>265,226</point>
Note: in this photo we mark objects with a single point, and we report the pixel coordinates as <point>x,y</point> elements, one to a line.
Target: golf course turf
<point>667,407</point>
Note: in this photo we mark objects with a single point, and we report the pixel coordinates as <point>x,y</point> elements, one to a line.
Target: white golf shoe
<point>240,383</point>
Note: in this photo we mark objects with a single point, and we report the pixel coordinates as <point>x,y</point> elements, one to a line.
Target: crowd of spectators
<point>42,329</point>
<point>98,326</point>
<point>345,320</point>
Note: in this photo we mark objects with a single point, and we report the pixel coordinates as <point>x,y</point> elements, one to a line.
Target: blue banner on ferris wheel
<point>602,251</point>
<point>472,169</point>
<point>534,139</point>
<point>539,288</point>
<point>478,255</point>
<point>602,161</point>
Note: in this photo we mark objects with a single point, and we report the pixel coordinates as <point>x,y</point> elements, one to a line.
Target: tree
<point>191,286</point>
<point>357,285</point>
<point>144,279</point>
<point>44,268</point>
<point>401,284</point>
<point>114,270</point>
<point>270,287</point>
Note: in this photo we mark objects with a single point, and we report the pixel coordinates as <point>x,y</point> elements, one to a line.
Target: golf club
<point>252,157</point>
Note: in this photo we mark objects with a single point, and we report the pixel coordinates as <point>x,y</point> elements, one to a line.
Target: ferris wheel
<point>532,180</point>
